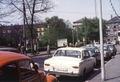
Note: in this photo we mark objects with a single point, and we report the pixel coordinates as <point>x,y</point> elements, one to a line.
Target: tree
<point>30,10</point>
<point>90,29</point>
<point>56,29</point>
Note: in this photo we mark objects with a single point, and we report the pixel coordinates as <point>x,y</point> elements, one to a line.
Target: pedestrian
<point>19,46</point>
<point>48,49</point>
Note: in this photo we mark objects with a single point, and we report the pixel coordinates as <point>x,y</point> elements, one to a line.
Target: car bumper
<point>62,74</point>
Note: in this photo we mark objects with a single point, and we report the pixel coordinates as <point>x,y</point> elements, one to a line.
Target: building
<point>14,33</point>
<point>113,25</point>
<point>77,24</point>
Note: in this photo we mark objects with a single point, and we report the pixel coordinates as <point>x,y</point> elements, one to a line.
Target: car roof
<point>7,48</point>
<point>7,57</point>
<point>72,48</point>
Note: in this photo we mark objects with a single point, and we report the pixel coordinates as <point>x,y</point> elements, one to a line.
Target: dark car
<point>107,52</point>
<point>16,67</point>
<point>94,52</point>
<point>113,49</point>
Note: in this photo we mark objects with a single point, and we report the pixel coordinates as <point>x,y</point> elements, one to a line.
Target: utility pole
<point>101,44</point>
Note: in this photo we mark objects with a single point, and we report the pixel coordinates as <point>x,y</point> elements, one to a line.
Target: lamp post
<point>101,44</point>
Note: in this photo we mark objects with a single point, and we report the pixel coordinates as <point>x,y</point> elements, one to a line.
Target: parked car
<point>11,49</point>
<point>107,52</point>
<point>113,49</point>
<point>16,67</point>
<point>70,61</point>
<point>94,52</point>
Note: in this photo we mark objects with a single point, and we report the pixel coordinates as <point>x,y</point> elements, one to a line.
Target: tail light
<point>47,64</point>
<point>76,67</point>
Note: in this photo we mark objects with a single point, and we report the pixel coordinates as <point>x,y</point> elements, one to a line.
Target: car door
<point>87,60</point>
<point>27,73</point>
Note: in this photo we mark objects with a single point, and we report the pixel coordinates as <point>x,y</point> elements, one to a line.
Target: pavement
<point>112,70</point>
<point>42,53</point>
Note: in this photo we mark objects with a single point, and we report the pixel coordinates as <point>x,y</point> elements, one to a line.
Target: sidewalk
<point>41,53</point>
<point>112,73</point>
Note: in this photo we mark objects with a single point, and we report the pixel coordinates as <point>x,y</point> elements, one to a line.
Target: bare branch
<point>16,7</point>
<point>29,7</point>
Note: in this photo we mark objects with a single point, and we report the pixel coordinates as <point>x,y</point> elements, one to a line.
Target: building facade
<point>113,26</point>
<point>14,33</point>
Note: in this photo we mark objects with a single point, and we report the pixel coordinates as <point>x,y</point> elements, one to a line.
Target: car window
<point>25,64</point>
<point>105,48</point>
<point>92,53</point>
<point>60,53</point>
<point>26,70</point>
<point>86,54</point>
<point>69,53</point>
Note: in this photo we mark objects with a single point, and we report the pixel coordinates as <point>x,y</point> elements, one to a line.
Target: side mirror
<point>36,65</point>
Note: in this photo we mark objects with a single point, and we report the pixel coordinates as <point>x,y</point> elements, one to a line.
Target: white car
<point>70,62</point>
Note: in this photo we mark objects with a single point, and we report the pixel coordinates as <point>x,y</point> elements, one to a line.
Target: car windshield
<point>69,53</point>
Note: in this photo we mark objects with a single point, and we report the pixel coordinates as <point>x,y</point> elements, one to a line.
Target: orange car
<point>15,67</point>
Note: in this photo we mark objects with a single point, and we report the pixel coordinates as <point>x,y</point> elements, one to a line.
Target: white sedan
<point>70,62</point>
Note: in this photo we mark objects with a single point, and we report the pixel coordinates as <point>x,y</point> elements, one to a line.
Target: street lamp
<point>101,44</point>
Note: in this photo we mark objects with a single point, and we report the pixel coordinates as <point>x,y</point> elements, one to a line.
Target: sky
<point>73,10</point>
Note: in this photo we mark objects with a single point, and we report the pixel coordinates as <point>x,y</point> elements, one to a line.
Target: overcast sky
<point>76,9</point>
<point>73,10</point>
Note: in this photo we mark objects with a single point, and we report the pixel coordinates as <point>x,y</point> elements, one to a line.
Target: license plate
<point>61,70</point>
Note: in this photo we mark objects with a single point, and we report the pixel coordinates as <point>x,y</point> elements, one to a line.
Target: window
<point>69,53</point>
<point>25,64</point>
<point>86,54</point>
<point>118,33</point>
<point>26,71</point>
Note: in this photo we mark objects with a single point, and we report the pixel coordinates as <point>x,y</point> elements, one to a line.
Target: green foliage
<point>90,29</point>
<point>28,33</point>
<point>56,29</point>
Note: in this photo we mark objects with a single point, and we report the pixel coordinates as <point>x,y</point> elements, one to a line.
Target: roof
<point>71,48</point>
<point>6,57</point>
<point>21,26</point>
<point>114,20</point>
